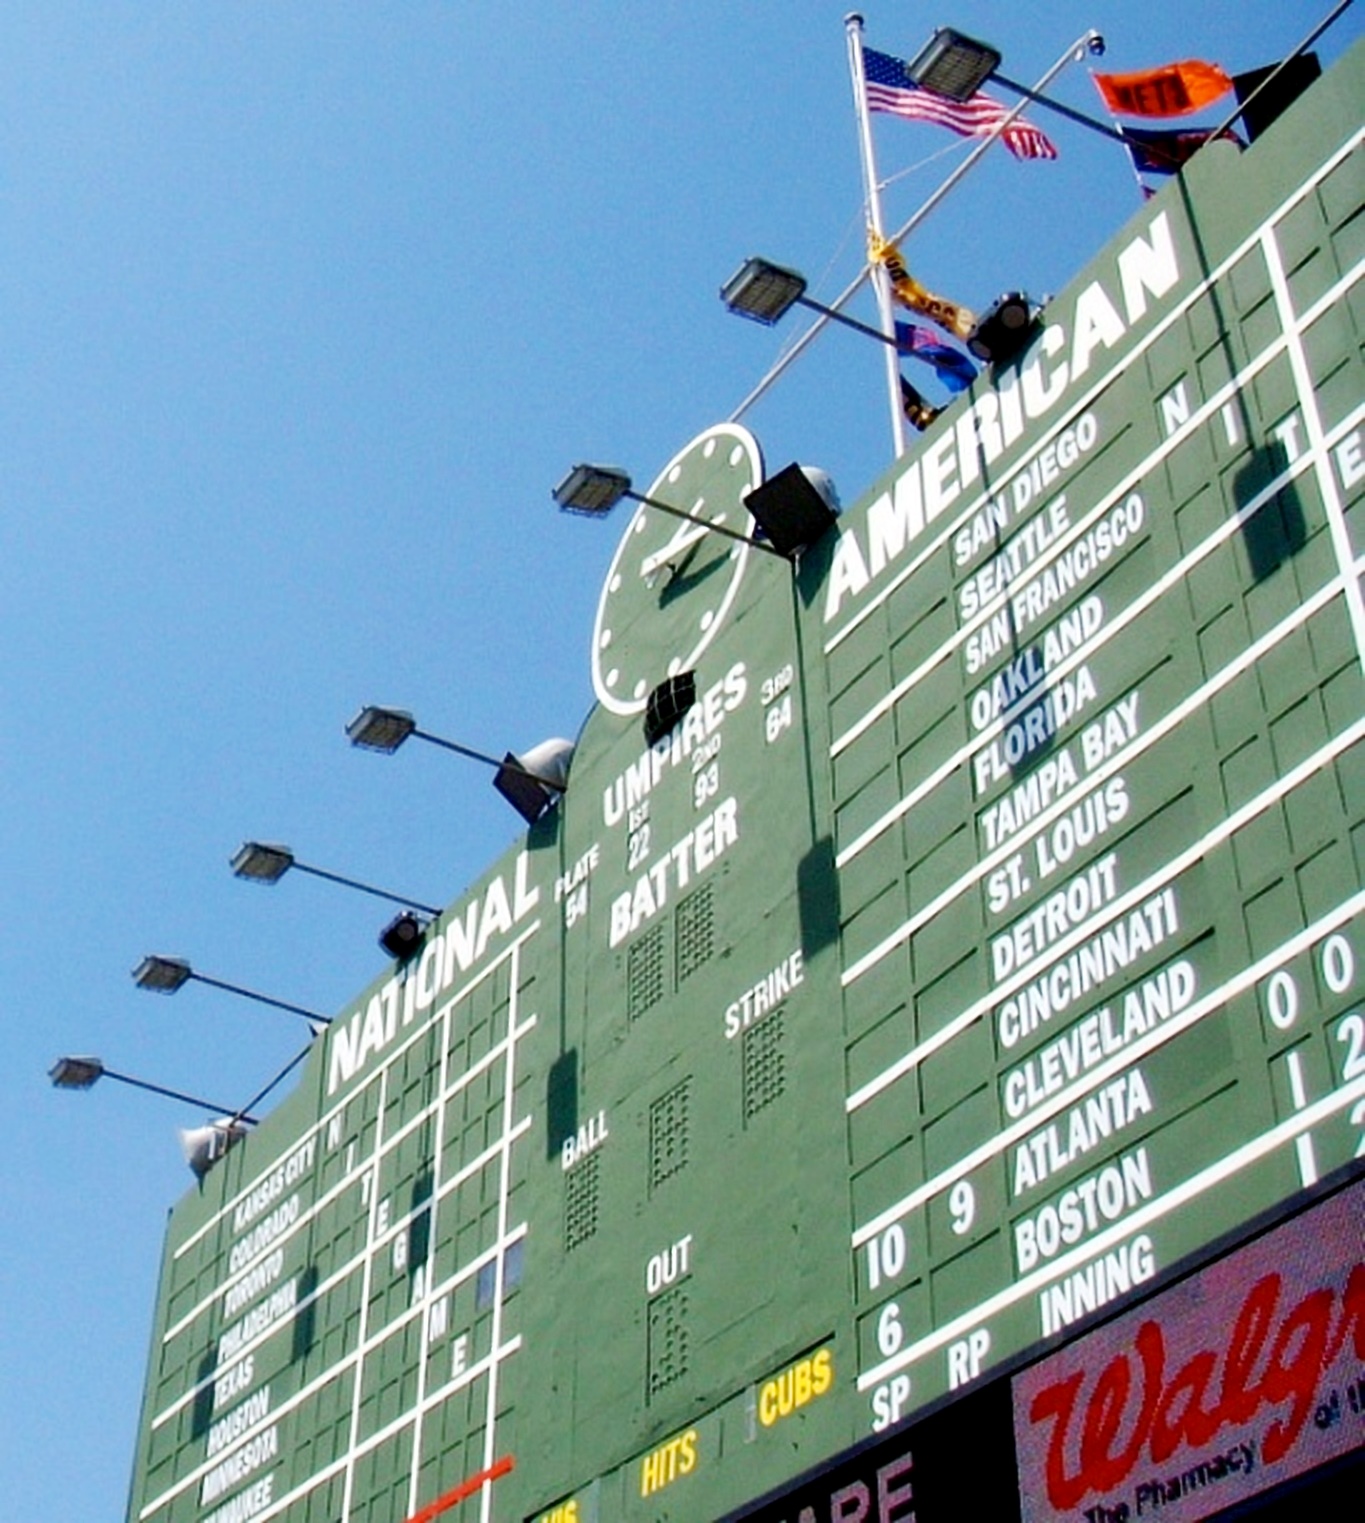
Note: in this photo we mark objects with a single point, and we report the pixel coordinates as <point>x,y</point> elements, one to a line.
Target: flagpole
<point>1078,49</point>
<point>853,24</point>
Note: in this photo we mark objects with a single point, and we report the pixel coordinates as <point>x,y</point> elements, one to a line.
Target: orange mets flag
<point>1175,89</point>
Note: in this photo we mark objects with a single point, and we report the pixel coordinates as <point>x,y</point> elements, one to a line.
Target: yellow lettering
<point>678,1457</point>
<point>791,1389</point>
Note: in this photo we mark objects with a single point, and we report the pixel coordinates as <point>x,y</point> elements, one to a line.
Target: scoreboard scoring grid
<point>428,1305</point>
<point>1072,922</point>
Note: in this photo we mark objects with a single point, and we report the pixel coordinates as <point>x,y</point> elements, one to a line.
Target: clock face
<point>672,582</point>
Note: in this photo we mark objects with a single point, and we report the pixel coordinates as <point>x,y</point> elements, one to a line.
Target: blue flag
<point>952,367</point>
<point>1165,152</point>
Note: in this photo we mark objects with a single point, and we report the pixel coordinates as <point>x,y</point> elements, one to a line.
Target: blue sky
<point>304,307</point>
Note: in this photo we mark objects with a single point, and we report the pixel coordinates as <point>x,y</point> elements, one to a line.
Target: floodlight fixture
<point>202,1146</point>
<point>166,975</point>
<point>763,291</point>
<point>953,65</point>
<point>766,292</point>
<point>403,935</point>
<point>592,491</point>
<point>380,729</point>
<point>86,1072</point>
<point>76,1073</point>
<point>794,507</point>
<point>540,774</point>
<point>262,862</point>
<point>1088,42</point>
<point>162,975</point>
<point>258,862</point>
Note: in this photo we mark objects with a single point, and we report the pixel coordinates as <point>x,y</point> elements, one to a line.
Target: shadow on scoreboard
<point>1277,529</point>
<point>306,1318</point>
<point>817,898</point>
<point>201,1415</point>
<point>561,1102</point>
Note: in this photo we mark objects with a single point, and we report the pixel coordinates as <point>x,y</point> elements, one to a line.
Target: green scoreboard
<point>970,964</point>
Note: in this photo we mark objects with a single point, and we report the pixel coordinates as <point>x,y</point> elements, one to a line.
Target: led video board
<point>977,946</point>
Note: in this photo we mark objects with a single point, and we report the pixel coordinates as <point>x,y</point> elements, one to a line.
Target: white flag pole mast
<point>853,23</point>
<point>1076,51</point>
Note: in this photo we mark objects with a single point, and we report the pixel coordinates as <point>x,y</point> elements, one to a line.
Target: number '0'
<point>1338,973</point>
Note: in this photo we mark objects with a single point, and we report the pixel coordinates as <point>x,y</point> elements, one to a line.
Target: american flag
<point>890,88</point>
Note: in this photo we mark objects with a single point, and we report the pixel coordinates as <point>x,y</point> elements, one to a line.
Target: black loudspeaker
<point>668,703</point>
<point>1289,83</point>
<point>1004,330</point>
<point>789,510</point>
<point>403,935</point>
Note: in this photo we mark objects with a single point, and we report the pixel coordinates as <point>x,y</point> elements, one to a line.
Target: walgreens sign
<point>1236,1379</point>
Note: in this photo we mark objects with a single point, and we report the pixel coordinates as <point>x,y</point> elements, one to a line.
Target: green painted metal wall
<point>985,941</point>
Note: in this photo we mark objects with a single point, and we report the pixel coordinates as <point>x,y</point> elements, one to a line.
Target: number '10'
<point>887,1252</point>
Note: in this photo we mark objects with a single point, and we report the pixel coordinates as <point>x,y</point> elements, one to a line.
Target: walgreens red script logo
<point>1272,1360</point>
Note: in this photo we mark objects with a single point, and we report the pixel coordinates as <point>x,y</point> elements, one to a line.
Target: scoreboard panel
<point>1095,799</point>
<point>979,947</point>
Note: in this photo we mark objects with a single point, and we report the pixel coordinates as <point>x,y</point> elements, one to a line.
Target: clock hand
<point>686,536</point>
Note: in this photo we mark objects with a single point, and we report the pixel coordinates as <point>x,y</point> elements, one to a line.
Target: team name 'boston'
<point>939,474</point>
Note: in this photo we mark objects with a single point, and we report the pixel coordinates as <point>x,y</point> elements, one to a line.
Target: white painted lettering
<point>1098,1037</point>
<point>1083,1209</point>
<point>766,995</point>
<point>698,850</point>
